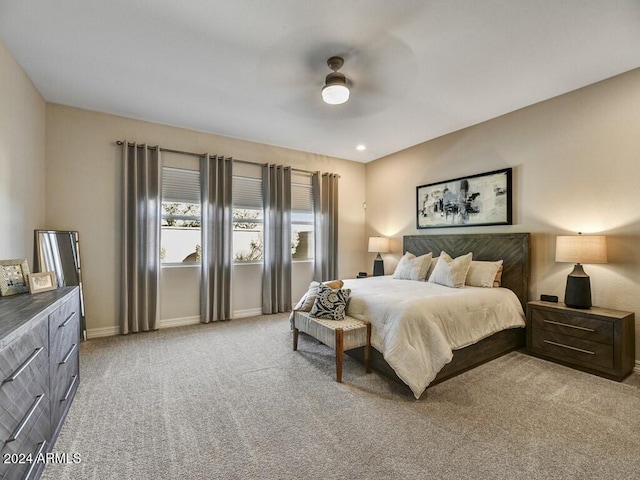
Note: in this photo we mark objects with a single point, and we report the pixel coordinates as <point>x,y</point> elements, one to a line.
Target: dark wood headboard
<point>512,248</point>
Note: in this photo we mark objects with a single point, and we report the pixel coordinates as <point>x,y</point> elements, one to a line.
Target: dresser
<point>596,340</point>
<point>39,371</point>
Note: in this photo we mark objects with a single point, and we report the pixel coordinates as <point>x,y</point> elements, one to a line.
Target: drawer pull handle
<point>39,451</point>
<point>569,347</point>
<point>24,365</point>
<point>64,324</point>
<point>570,326</point>
<point>69,353</point>
<point>27,417</point>
<point>74,379</point>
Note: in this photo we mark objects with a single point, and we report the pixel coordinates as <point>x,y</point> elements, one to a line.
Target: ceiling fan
<point>335,90</point>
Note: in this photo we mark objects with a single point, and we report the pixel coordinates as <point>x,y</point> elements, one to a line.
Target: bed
<point>512,248</point>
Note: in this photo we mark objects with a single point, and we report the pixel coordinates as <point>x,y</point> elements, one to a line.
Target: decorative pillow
<point>306,302</point>
<point>330,303</point>
<point>451,272</point>
<point>483,274</point>
<point>310,297</point>
<point>498,280</point>
<point>432,266</point>
<point>411,267</point>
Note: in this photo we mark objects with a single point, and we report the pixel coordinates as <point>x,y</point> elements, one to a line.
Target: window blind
<point>301,198</point>
<point>247,193</point>
<point>180,185</point>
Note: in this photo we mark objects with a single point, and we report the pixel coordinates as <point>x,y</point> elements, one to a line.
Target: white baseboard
<point>102,332</point>
<point>168,323</point>
<point>179,322</point>
<point>637,368</point>
<point>252,312</point>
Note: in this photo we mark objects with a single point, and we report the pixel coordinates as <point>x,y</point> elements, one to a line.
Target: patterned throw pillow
<point>330,304</point>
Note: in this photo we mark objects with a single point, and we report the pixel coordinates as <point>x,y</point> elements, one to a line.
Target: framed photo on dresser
<point>13,276</point>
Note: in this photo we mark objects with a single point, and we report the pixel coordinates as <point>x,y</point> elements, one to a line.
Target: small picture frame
<point>42,282</point>
<point>13,277</point>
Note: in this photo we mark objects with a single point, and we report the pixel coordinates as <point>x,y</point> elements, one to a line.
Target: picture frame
<point>474,200</point>
<point>42,282</point>
<point>13,276</point>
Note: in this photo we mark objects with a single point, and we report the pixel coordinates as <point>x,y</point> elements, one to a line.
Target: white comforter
<point>416,325</point>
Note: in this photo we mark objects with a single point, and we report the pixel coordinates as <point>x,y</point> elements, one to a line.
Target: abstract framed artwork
<point>13,277</point>
<point>483,199</point>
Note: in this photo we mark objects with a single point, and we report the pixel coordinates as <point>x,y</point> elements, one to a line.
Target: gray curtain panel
<point>325,199</point>
<point>217,230</point>
<point>276,277</point>
<point>141,180</point>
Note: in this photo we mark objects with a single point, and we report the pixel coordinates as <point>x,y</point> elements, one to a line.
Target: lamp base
<point>578,291</point>
<point>378,266</point>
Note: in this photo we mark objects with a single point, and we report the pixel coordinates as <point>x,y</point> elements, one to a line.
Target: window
<point>302,221</point>
<point>181,238</point>
<point>248,219</point>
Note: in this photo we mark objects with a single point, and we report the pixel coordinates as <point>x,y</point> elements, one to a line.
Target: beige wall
<point>22,160</point>
<point>576,163</point>
<point>83,193</point>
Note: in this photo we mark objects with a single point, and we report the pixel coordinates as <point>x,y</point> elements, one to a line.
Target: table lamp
<point>378,245</point>
<point>580,249</point>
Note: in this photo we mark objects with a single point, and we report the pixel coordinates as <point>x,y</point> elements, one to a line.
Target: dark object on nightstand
<point>378,266</point>
<point>378,245</point>
<point>362,275</point>
<point>578,291</point>
<point>549,298</point>
<point>599,341</point>
<point>580,249</point>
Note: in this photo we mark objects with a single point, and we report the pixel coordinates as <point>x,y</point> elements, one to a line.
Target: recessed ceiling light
<point>361,148</point>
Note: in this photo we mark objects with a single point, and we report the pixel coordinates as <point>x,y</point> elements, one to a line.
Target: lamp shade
<point>378,244</point>
<point>581,249</point>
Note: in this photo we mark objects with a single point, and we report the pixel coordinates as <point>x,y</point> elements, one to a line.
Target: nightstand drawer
<point>572,349</point>
<point>590,329</point>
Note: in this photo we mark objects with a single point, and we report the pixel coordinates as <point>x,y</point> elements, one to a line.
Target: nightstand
<point>598,340</point>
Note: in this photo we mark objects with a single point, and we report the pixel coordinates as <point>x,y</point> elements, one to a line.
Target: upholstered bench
<point>340,335</point>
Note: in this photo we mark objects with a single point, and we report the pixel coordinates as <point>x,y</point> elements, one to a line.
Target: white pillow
<point>432,266</point>
<point>483,274</point>
<point>450,272</point>
<point>411,267</point>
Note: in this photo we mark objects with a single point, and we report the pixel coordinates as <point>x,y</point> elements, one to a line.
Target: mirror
<point>58,251</point>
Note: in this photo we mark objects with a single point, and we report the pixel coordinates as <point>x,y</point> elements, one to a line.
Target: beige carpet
<point>233,401</point>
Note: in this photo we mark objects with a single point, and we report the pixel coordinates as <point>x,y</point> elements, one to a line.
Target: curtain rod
<point>181,152</point>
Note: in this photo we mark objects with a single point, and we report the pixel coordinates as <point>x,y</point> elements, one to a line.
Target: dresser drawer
<point>21,360</point>
<point>62,371</point>
<point>22,457</point>
<point>19,417</point>
<point>64,322</point>
<point>572,349</point>
<point>62,396</point>
<point>590,329</point>
<point>64,361</point>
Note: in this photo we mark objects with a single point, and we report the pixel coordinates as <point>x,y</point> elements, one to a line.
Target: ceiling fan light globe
<point>335,94</point>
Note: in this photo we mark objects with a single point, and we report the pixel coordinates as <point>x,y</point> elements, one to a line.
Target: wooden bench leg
<point>339,353</point>
<point>367,358</point>
<point>295,337</point>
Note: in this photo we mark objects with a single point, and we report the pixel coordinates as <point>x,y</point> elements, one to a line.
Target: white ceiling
<point>253,69</point>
